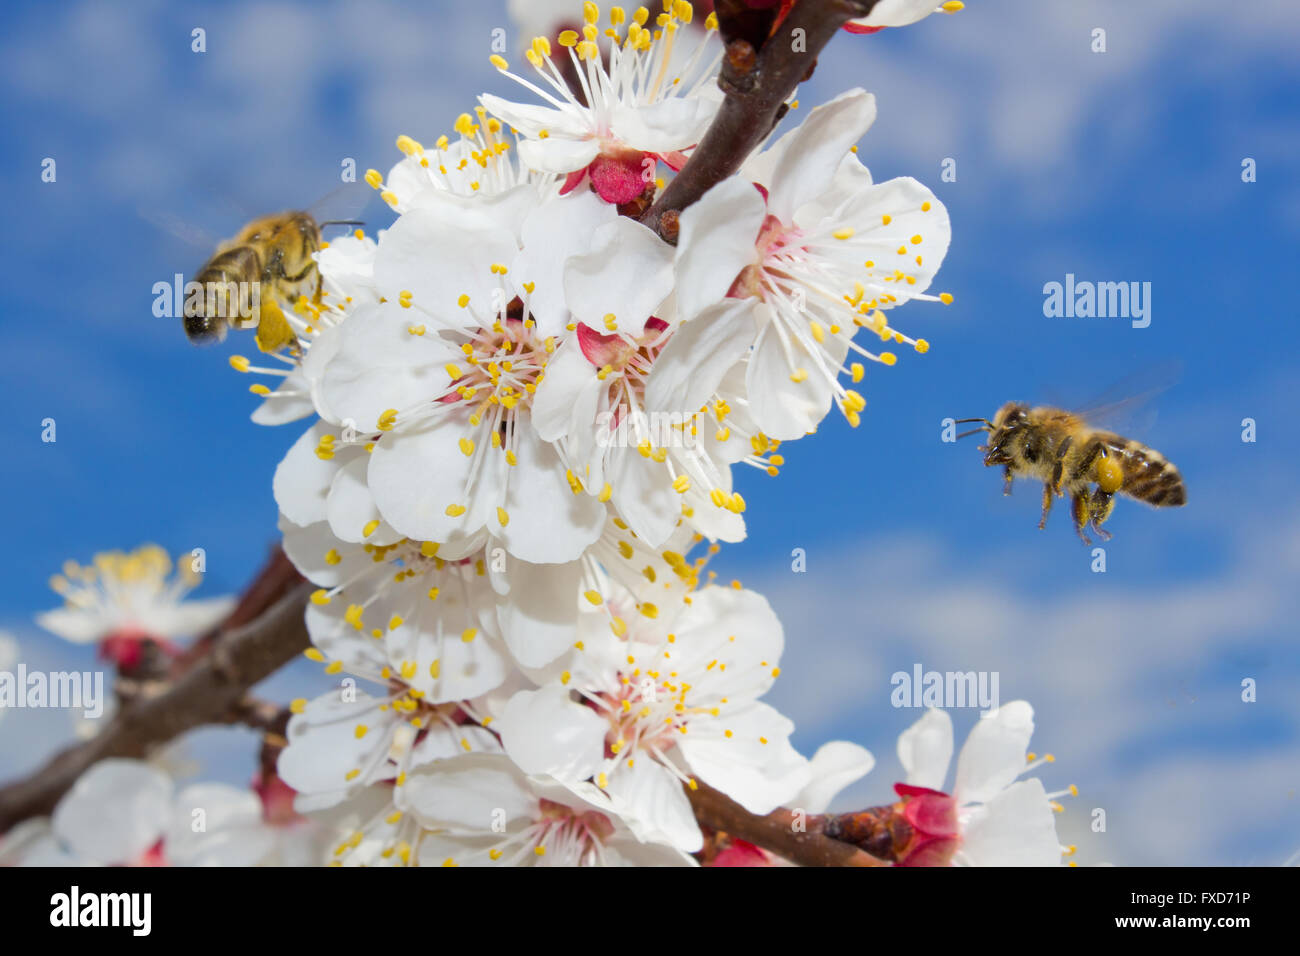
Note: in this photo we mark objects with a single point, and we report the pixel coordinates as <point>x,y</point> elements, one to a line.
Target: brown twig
<point>784,833</point>
<point>756,82</point>
<point>209,691</point>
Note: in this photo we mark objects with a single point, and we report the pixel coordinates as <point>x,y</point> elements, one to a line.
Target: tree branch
<point>756,84</point>
<point>776,832</point>
<point>211,690</point>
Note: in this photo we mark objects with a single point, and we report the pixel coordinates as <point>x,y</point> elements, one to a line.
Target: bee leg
<point>1079,510</point>
<point>1059,471</point>
<point>1095,448</point>
<point>1006,480</point>
<point>1099,509</point>
<point>1047,504</point>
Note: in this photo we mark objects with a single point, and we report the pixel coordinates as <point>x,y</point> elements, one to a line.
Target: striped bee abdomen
<point>1148,476</point>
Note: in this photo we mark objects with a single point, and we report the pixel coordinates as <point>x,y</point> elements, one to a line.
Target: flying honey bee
<point>1065,453</point>
<point>271,256</point>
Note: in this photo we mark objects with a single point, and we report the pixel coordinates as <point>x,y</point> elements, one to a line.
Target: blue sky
<point>1116,166</point>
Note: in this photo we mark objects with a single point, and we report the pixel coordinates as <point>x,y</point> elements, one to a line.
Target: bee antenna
<point>974,431</point>
<point>963,421</point>
<point>342,222</point>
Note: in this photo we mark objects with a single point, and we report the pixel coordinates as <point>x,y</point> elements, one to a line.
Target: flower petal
<point>114,812</point>
<point>627,273</point>
<point>1016,828</point>
<point>715,242</point>
<point>808,164</point>
<point>994,753</point>
<point>835,766</point>
<point>925,749</point>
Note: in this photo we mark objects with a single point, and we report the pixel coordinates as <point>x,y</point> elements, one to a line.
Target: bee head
<point>1003,430</point>
<point>1010,416</point>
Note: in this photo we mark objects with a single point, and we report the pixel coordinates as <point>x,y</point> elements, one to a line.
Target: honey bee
<point>1065,453</point>
<point>271,256</point>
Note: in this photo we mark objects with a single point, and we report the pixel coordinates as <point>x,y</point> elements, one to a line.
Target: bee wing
<point>351,202</point>
<point>1126,406</point>
<point>203,242</point>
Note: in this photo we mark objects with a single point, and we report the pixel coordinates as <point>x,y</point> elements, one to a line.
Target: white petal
<point>565,402</point>
<point>808,164</point>
<point>531,119</point>
<point>558,154</point>
<point>897,13</point>
<point>994,753</point>
<point>540,613</point>
<point>302,479</point>
<point>439,250</point>
<point>655,807</point>
<point>544,732</point>
<point>644,496</point>
<point>715,242</point>
<point>227,832</point>
<point>1016,828</point>
<point>677,122</point>
<point>380,366</point>
<point>469,794</point>
<point>417,472</point>
<point>925,749</point>
<point>627,273</point>
<point>79,627</point>
<point>783,408</point>
<point>556,230</point>
<point>115,811</point>
<point>351,508</point>
<point>688,371</point>
<point>755,766</point>
<point>548,523</point>
<point>324,747</point>
<point>835,766</point>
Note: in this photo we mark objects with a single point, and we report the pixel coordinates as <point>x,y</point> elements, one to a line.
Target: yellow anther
<point>857,371</point>
<point>888,358</point>
<point>239,363</point>
<point>503,517</point>
<point>468,634</point>
<point>466,446</point>
<point>320,596</point>
<point>945,298</point>
<point>498,61</point>
<point>374,178</point>
<point>455,511</point>
<point>922,346</point>
<point>371,526</point>
<point>844,233</point>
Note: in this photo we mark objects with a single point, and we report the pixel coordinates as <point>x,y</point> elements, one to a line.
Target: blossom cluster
<point>527,408</point>
<point>525,411</point>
